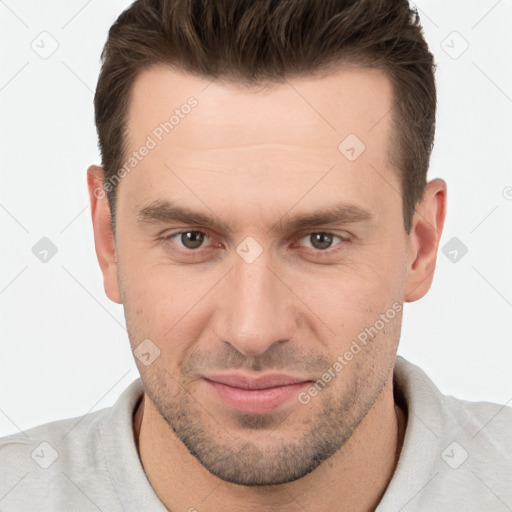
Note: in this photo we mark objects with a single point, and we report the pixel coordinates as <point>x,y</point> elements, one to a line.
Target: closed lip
<point>260,382</point>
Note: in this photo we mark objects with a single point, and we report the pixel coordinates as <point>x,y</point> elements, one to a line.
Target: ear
<point>103,235</point>
<point>423,240</point>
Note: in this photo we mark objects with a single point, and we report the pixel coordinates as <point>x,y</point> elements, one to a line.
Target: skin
<point>252,157</point>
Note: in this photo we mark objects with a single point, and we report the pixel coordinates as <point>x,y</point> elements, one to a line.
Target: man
<point>262,213</point>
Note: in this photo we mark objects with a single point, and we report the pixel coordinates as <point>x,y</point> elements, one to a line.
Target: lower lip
<point>255,401</point>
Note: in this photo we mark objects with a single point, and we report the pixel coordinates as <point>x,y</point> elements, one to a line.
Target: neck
<point>353,479</point>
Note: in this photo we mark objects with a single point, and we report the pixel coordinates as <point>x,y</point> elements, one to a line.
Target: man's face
<point>291,298</point>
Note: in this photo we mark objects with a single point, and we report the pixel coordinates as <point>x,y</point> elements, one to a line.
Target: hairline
<point>330,67</point>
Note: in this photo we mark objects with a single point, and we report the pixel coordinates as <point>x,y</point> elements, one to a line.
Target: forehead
<point>313,112</point>
<point>249,144</point>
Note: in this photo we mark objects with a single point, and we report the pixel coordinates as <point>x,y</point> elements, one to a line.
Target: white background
<point>64,350</point>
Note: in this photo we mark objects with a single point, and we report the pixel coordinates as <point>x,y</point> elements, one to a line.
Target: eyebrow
<point>167,211</point>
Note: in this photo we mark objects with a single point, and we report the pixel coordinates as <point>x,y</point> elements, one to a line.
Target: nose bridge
<point>258,309</point>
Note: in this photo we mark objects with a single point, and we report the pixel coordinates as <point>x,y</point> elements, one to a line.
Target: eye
<point>193,240</point>
<point>188,239</point>
<point>321,240</point>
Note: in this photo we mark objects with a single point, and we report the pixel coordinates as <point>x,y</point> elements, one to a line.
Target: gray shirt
<point>457,455</point>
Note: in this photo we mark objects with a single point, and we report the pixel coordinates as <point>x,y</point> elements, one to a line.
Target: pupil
<point>192,239</point>
<point>321,240</point>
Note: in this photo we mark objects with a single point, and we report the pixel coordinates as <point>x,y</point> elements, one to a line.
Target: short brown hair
<point>262,41</point>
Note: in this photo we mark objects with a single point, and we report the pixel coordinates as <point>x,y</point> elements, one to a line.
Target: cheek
<point>357,282</point>
<point>353,295</point>
<point>164,305</point>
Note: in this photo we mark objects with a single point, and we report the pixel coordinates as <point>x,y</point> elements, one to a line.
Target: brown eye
<point>192,239</point>
<point>188,239</point>
<point>321,241</point>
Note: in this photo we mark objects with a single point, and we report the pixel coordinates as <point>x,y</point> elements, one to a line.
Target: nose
<point>256,309</point>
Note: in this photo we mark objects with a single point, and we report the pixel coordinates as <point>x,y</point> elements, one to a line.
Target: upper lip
<point>239,380</point>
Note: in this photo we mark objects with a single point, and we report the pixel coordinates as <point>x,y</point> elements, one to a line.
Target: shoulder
<point>88,462</point>
<point>52,460</point>
<point>457,454</point>
<point>446,414</point>
<point>488,423</point>
<point>69,432</point>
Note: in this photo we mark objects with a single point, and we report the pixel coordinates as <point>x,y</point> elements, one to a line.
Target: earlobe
<point>424,240</point>
<point>103,235</point>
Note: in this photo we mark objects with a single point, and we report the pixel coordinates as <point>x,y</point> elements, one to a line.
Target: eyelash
<point>168,239</point>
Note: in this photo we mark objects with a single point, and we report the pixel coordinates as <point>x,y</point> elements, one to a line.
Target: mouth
<point>255,395</point>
